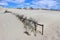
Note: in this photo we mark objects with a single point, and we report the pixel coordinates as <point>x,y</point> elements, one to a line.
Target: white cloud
<point>24,5</point>
<point>15,1</point>
<point>3,3</point>
<point>20,1</point>
<point>45,3</point>
<point>27,3</point>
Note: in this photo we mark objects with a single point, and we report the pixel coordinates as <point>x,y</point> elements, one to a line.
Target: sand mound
<point>12,29</point>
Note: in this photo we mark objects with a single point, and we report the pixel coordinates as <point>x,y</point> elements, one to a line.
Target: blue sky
<point>48,4</point>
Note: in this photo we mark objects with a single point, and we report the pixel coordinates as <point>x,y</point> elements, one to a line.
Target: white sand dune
<point>12,29</point>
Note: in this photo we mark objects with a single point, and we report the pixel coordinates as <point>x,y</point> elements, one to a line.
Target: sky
<point>47,4</point>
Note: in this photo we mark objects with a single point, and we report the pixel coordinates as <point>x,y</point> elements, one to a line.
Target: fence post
<point>42,29</point>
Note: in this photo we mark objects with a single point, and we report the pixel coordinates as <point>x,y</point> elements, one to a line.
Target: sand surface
<point>12,29</point>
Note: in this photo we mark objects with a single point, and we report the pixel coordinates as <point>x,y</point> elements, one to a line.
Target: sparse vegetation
<point>29,24</point>
<point>7,11</point>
